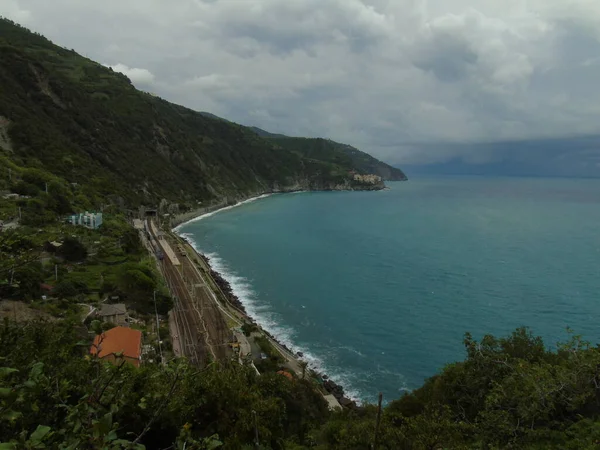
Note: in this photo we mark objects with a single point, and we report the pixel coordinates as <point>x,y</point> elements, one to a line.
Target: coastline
<point>194,216</point>
<point>182,219</point>
<point>334,389</point>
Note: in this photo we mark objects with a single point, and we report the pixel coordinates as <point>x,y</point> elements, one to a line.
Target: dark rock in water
<point>300,354</point>
<point>226,288</point>
<point>346,402</point>
<point>336,390</point>
<point>325,377</point>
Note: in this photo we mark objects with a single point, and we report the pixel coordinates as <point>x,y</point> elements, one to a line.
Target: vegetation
<point>274,361</point>
<point>53,394</point>
<point>69,117</point>
<point>508,393</point>
<point>333,152</point>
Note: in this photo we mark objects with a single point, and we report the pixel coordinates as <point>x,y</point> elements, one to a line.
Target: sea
<point>377,289</point>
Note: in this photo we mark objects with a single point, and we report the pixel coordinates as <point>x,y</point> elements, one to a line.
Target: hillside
<point>335,152</point>
<point>78,120</point>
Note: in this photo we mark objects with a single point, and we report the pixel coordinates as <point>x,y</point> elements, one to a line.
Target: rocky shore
<point>224,285</point>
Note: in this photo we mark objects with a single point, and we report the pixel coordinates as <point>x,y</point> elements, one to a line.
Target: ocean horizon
<point>378,288</point>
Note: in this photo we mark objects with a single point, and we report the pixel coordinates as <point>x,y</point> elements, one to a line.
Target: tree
<point>29,278</point>
<point>73,250</point>
<point>69,289</point>
<point>20,271</point>
<point>59,198</point>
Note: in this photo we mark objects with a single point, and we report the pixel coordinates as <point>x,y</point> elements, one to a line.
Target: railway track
<point>188,333</point>
<point>202,329</point>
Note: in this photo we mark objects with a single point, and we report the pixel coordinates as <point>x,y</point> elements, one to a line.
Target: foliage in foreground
<point>53,393</point>
<point>508,393</point>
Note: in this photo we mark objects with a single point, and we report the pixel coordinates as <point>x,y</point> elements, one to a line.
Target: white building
<point>86,219</point>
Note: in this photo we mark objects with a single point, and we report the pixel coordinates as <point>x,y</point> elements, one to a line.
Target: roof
<point>286,374</point>
<point>116,340</point>
<point>112,310</point>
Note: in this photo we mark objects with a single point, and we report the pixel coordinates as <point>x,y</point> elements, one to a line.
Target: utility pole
<point>56,272</point>
<point>256,442</point>
<point>375,440</point>
<point>46,187</point>
<point>158,329</point>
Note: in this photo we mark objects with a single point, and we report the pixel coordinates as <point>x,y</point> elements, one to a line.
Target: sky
<point>412,82</point>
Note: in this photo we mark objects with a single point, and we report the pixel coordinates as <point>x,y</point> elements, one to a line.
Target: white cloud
<point>11,10</point>
<point>137,76</point>
<point>393,78</point>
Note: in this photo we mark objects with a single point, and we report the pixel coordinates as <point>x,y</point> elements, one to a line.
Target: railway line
<point>202,329</point>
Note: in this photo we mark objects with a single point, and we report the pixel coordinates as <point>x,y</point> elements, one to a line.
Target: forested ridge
<point>81,121</point>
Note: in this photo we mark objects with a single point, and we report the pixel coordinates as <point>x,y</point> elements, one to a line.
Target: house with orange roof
<point>122,341</point>
<point>286,374</point>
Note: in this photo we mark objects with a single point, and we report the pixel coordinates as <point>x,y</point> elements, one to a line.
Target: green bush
<point>73,250</point>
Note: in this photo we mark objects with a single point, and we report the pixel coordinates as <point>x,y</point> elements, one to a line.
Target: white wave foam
<point>225,208</point>
<point>271,322</point>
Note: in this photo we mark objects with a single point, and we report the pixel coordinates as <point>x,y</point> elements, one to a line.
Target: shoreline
<point>214,209</point>
<point>330,386</point>
<point>180,220</point>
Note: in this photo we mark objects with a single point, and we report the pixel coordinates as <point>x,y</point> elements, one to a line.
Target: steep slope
<point>266,134</point>
<point>331,151</point>
<point>72,117</point>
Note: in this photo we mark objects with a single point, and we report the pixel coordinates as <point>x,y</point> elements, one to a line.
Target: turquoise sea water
<point>378,288</point>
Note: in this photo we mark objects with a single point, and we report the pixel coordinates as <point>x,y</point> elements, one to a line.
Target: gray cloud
<point>409,81</point>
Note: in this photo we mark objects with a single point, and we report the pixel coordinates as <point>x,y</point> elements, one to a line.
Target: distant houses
<point>89,220</point>
<point>369,178</point>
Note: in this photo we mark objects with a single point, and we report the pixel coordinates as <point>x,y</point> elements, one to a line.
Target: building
<point>86,219</point>
<point>116,314</point>
<point>370,178</point>
<point>121,341</point>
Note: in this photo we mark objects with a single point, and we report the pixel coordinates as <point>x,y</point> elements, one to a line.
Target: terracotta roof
<point>286,374</point>
<point>116,340</point>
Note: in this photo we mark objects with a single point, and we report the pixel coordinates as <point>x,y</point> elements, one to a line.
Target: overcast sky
<point>397,78</point>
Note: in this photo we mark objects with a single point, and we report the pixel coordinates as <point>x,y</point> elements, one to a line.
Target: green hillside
<point>334,152</point>
<point>76,119</point>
